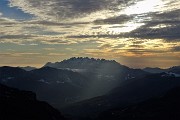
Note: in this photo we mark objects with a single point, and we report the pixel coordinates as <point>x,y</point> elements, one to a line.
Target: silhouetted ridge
<point>10,72</point>
<point>22,105</point>
<point>8,69</point>
<point>28,68</point>
<point>71,80</point>
<point>82,63</point>
<point>174,69</point>
<point>154,70</point>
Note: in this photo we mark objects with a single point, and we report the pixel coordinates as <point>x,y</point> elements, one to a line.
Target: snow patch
<point>9,78</point>
<point>170,74</point>
<point>59,82</point>
<point>43,81</point>
<point>129,77</point>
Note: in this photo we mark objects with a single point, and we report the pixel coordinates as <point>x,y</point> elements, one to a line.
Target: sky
<point>136,33</point>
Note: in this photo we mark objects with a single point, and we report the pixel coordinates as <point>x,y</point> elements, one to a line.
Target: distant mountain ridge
<point>28,68</point>
<point>154,70</point>
<point>174,69</point>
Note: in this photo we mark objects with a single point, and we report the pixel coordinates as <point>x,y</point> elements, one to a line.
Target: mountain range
<point>174,69</point>
<point>77,79</point>
<point>86,88</point>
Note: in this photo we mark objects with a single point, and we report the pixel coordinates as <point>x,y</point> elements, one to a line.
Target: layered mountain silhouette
<point>71,80</point>
<point>23,105</point>
<point>88,88</point>
<point>175,69</point>
<point>103,75</point>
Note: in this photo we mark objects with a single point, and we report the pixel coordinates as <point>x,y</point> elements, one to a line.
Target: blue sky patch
<point>13,12</point>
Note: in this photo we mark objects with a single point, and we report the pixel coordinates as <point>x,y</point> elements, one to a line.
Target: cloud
<point>22,36</point>
<point>115,24</point>
<point>168,33</point>
<point>136,46</point>
<point>114,20</point>
<point>33,44</point>
<point>18,54</point>
<point>55,23</point>
<point>105,46</point>
<point>162,26</point>
<point>96,28</point>
<point>63,9</point>
<point>56,54</point>
<point>19,39</point>
<point>57,41</point>
<point>176,49</point>
<point>49,49</point>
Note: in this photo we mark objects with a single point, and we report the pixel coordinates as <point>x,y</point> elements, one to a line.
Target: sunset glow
<point>137,33</point>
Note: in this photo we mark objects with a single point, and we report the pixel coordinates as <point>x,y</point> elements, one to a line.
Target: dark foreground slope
<point>165,107</point>
<point>22,105</point>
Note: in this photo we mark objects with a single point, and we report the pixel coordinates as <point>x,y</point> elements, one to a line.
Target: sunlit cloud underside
<point>137,33</point>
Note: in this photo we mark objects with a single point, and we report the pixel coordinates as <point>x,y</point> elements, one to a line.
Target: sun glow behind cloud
<point>144,6</point>
<point>140,9</point>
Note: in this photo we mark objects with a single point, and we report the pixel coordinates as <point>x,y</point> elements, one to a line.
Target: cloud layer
<point>63,9</point>
<point>115,29</point>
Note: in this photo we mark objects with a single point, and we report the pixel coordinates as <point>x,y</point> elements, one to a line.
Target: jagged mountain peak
<point>84,59</point>
<point>89,59</point>
<point>82,63</point>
